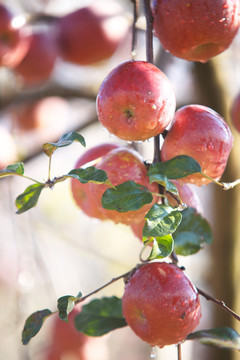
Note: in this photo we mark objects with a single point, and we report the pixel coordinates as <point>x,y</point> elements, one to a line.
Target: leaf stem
<point>49,167</point>
<point>219,303</point>
<point>29,178</point>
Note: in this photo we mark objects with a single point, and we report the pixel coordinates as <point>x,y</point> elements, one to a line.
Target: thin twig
<point>179,351</point>
<point>104,286</point>
<point>134,28</point>
<point>149,33</point>
<point>218,302</point>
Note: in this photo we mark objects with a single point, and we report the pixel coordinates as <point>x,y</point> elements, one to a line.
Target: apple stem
<point>179,351</point>
<point>134,29</point>
<point>218,302</point>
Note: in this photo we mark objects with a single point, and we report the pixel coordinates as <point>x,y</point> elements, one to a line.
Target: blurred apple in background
<point>13,43</point>
<point>68,343</point>
<point>39,61</point>
<point>49,115</point>
<point>93,33</point>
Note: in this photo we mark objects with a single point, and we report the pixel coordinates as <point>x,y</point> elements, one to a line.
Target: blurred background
<point>55,249</point>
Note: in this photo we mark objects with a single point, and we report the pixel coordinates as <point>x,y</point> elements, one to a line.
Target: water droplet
<point>153,354</point>
<point>182,207</point>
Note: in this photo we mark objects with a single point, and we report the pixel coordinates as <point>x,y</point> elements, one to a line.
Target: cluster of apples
<point>32,52</point>
<point>136,102</point>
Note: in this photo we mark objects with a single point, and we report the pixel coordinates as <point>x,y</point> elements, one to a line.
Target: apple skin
<point>188,197</point>
<point>196,30</point>
<point>201,133</point>
<point>122,165</point>
<point>81,192</point>
<point>235,112</point>
<point>136,101</point>
<point>160,304</point>
<point>92,33</point>
<point>39,61</point>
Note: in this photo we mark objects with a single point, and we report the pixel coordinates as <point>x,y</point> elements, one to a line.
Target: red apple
<point>81,192</point>
<point>196,30</point>
<point>201,133</point>
<point>92,33</point>
<point>136,101</point>
<point>13,45</point>
<point>235,112</point>
<point>160,304</point>
<point>39,61</point>
<point>122,165</point>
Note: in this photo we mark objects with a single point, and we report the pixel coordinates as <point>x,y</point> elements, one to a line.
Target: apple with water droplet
<point>136,101</point>
<point>196,30</point>
<point>201,133</point>
<point>160,304</point>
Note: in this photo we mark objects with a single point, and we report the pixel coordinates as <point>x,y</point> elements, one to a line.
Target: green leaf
<point>29,197</point>
<point>162,247</point>
<point>176,168</point>
<point>128,196</point>
<point>222,337</point>
<point>65,140</point>
<point>163,180</point>
<point>100,316</point>
<point>14,169</point>
<point>90,174</point>
<point>161,220</point>
<point>33,324</point>
<point>65,305</point>
<point>192,233</point>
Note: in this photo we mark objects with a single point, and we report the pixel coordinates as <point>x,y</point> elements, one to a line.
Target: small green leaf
<point>90,174</point>
<point>14,169</point>
<point>192,233</point>
<point>33,324</point>
<point>163,180</point>
<point>176,168</point>
<point>65,140</point>
<point>162,247</point>
<point>161,220</point>
<point>222,337</point>
<point>128,196</point>
<point>100,316</point>
<point>29,197</point>
<point>65,306</point>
